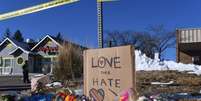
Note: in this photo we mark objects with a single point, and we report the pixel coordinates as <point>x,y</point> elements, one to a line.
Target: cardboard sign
<point>108,71</point>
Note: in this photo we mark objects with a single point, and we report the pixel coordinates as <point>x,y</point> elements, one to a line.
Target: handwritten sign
<point>108,71</point>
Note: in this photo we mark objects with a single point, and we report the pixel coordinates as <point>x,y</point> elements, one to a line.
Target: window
<point>1,62</point>
<point>7,62</point>
<point>47,60</point>
<point>46,65</point>
<point>196,60</point>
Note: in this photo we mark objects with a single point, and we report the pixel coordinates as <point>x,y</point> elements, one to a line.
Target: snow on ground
<point>148,64</point>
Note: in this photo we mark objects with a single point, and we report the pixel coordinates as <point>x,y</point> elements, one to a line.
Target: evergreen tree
<point>18,36</point>
<point>59,37</point>
<point>7,33</point>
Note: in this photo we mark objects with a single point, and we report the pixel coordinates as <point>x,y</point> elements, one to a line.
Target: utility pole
<point>100,23</point>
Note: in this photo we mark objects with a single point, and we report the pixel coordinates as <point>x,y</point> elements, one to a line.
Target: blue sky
<point>77,22</point>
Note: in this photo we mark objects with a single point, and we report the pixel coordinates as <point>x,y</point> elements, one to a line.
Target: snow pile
<point>143,98</point>
<point>54,84</point>
<point>148,64</point>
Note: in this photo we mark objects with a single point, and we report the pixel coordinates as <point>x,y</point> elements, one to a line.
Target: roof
<point>21,45</point>
<point>58,42</point>
<point>25,47</point>
<point>14,51</point>
<point>47,36</point>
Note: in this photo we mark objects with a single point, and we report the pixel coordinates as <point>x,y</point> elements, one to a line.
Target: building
<point>188,48</point>
<point>39,55</point>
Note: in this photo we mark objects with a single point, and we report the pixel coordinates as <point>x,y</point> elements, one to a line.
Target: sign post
<point>108,72</point>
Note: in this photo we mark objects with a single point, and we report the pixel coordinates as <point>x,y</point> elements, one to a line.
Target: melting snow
<point>148,64</point>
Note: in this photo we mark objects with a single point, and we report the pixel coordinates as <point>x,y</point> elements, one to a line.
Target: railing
<point>6,70</point>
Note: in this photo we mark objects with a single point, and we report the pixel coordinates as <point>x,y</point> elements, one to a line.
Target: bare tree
<point>141,40</point>
<point>7,33</point>
<point>146,43</point>
<point>120,38</point>
<point>156,39</point>
<point>164,39</point>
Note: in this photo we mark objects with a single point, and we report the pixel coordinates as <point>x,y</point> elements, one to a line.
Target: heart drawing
<point>97,95</point>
